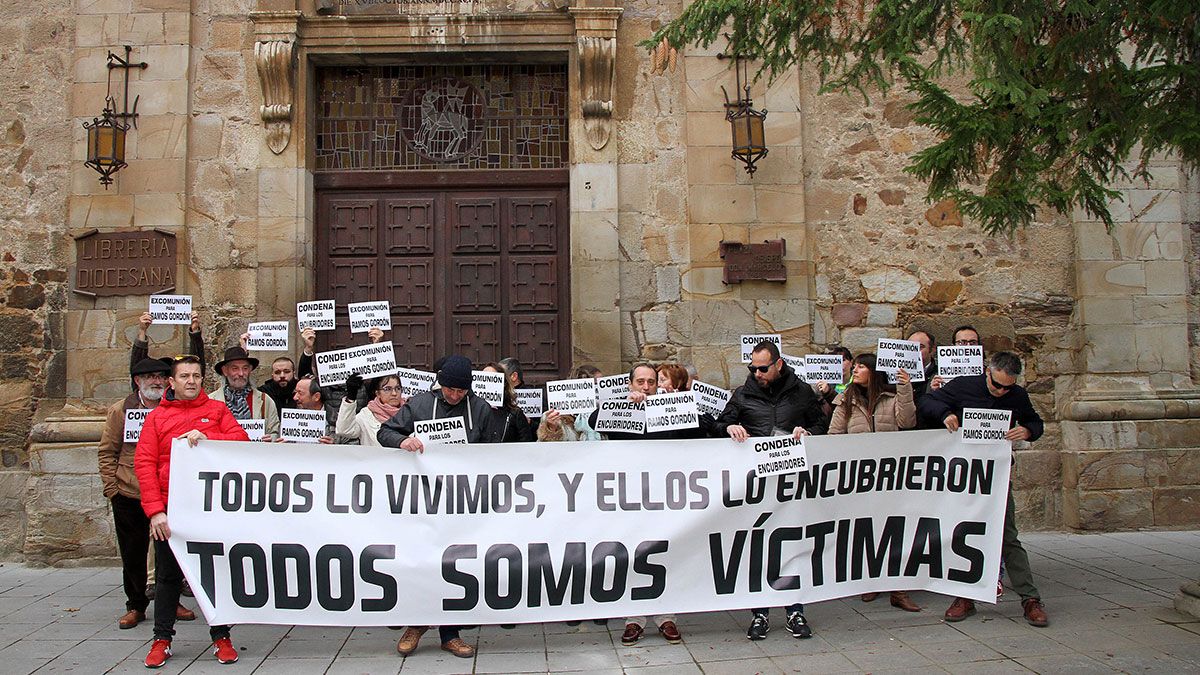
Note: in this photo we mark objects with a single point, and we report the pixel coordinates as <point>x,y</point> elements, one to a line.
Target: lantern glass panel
<point>755,131</point>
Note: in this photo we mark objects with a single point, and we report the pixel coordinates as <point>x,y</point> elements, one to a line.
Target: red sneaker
<point>160,651</point>
<point>224,651</point>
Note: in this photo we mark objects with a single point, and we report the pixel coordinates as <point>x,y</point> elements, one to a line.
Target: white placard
<point>612,387</point>
<point>488,386</point>
<point>134,419</point>
<point>571,397</point>
<point>446,431</point>
<point>665,412</point>
<point>625,417</point>
<point>749,342</point>
<point>933,516</point>
<point>709,399</point>
<point>317,315</point>
<point>892,355</point>
<point>373,360</point>
<point>984,425</point>
<point>530,402</point>
<point>955,361</point>
<point>367,315</point>
<point>301,426</point>
<point>825,368</point>
<point>171,309</point>
<point>268,336</point>
<point>414,382</point>
<point>778,454</point>
<point>796,363</point>
<point>255,429</point>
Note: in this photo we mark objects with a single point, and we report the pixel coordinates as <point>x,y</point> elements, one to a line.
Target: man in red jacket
<point>185,412</point>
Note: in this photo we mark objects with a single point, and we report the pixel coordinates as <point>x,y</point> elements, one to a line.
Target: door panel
<point>480,272</point>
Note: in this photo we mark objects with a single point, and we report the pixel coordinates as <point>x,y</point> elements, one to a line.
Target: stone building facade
<point>227,156</point>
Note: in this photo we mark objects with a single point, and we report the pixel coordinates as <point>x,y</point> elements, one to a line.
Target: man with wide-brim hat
<point>239,394</point>
<point>120,485</point>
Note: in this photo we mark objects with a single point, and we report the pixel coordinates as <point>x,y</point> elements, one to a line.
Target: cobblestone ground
<point>1109,597</point>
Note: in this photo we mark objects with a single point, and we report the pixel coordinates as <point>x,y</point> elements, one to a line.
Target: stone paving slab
<point>1109,597</point>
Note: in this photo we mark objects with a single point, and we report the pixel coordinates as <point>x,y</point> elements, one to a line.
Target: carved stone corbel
<point>274,52</point>
<point>596,42</point>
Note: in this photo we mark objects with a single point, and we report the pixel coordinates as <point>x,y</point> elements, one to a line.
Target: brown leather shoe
<point>1035,612</point>
<point>131,619</point>
<point>900,600</point>
<point>869,597</point>
<point>459,648</point>
<point>411,638</point>
<point>960,609</point>
<point>632,634</point>
<point>670,632</point>
<point>184,614</point>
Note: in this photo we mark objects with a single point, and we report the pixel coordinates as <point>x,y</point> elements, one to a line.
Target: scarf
<point>237,401</point>
<point>382,411</point>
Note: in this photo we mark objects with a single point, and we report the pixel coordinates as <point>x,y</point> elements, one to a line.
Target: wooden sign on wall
<point>141,262</point>
<point>758,262</point>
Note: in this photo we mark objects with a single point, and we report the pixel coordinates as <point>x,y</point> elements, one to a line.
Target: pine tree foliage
<point>1035,102</point>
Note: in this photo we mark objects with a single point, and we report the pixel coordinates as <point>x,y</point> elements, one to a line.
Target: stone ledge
<point>1098,406</point>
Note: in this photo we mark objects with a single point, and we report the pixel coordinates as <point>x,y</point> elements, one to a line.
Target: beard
<point>151,392</point>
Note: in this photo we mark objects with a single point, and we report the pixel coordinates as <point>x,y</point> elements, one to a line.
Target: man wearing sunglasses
<point>774,401</point>
<point>996,389</point>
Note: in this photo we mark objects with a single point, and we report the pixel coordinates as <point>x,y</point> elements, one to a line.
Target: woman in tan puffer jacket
<point>871,404</point>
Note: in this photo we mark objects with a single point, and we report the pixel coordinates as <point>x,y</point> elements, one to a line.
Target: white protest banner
<point>301,426</point>
<point>488,386</point>
<point>676,410</point>
<point>571,396</point>
<point>530,402</point>
<point>367,315</point>
<point>268,336</point>
<point>625,417</point>
<point>893,355</point>
<point>612,387</point>
<point>984,425</point>
<point>796,363</point>
<point>374,360</point>
<point>414,382</point>
<point>134,419</point>
<point>171,309</point>
<point>749,342</point>
<point>778,454</point>
<point>255,429</point>
<point>666,526</point>
<point>710,399</point>
<point>317,315</point>
<point>825,368</point>
<point>955,361</point>
<point>446,431</point>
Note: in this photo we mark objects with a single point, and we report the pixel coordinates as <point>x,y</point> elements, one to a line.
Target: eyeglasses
<point>391,390</point>
<point>759,369</point>
<point>966,342</point>
<point>997,385</point>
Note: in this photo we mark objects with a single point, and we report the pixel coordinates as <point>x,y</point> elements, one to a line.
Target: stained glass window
<point>442,117</point>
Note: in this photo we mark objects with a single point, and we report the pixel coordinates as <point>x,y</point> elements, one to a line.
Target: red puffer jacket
<point>170,420</point>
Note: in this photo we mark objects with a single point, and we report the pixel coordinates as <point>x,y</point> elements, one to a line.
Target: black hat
<point>147,366</point>
<point>235,354</point>
<point>455,372</point>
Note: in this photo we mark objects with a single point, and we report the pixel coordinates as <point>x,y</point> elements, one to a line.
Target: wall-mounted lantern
<point>746,123</point>
<point>106,134</point>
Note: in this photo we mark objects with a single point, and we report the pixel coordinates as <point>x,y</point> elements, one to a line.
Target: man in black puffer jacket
<point>774,401</point>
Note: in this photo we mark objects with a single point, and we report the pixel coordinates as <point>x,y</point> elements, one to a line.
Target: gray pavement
<point>1108,595</point>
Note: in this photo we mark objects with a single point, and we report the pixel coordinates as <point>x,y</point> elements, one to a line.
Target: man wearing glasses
<point>966,336</point>
<point>774,401</point>
<point>996,389</point>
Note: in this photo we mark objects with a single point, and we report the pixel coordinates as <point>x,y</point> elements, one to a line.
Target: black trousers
<point>133,541</point>
<point>166,596</point>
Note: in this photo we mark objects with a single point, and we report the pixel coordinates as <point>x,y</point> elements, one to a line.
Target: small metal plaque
<point>758,262</point>
<point>124,263</point>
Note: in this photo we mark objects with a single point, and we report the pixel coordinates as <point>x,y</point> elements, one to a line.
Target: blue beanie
<point>455,372</point>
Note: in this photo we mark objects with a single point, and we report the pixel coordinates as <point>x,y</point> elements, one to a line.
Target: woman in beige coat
<point>871,404</point>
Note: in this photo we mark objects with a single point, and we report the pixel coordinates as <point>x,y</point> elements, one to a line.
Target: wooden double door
<point>474,270</point>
